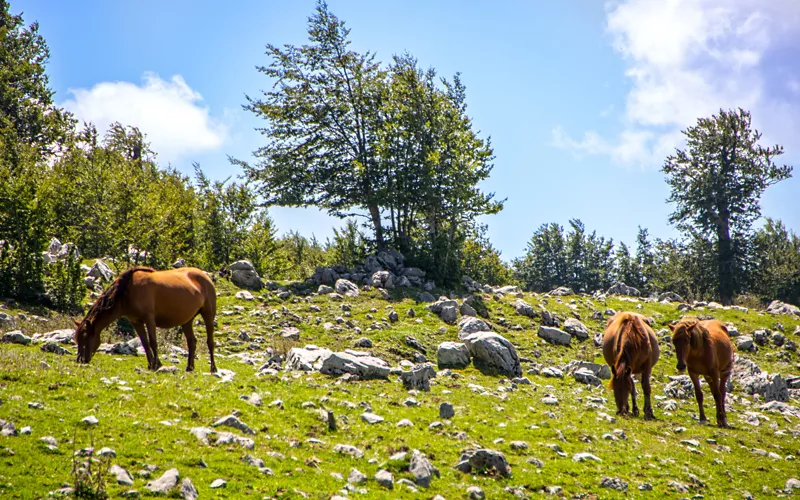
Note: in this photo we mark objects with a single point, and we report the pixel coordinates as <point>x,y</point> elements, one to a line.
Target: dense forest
<point>388,148</point>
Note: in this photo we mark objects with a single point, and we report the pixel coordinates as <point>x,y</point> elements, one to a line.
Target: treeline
<point>767,267</point>
<point>391,149</point>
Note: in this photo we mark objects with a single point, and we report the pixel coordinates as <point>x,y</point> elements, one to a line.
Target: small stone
<point>121,475</point>
<point>385,479</point>
<point>585,457</point>
<point>356,477</point>
<point>218,483</point>
<point>371,418</point>
<point>188,491</point>
<point>165,483</point>
<point>90,420</point>
<point>446,411</point>
<point>475,493</point>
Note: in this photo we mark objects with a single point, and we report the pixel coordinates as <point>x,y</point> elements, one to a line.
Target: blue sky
<point>582,99</point>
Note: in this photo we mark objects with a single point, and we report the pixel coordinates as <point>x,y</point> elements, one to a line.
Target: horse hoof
<point>649,416</point>
<point>635,412</point>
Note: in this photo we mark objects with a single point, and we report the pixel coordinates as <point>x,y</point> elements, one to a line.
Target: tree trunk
<point>375,215</point>
<point>725,261</point>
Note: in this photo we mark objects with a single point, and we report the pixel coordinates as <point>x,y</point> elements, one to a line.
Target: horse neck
<point>105,318</point>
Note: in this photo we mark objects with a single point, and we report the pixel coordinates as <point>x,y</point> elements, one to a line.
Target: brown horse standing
<point>705,348</point>
<point>150,299</point>
<point>630,347</point>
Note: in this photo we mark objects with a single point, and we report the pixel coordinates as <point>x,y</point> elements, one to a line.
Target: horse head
<point>87,339</point>
<point>687,335</point>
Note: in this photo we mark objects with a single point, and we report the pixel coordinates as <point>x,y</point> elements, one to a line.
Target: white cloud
<point>169,112</point>
<point>689,58</point>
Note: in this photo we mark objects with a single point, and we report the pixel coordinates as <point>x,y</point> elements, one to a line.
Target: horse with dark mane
<point>705,348</point>
<point>150,299</point>
<point>630,347</point>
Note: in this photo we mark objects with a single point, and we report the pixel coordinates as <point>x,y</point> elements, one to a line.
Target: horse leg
<point>151,332</point>
<point>208,319</point>
<point>140,331</point>
<point>713,382</point>
<point>648,408</point>
<point>723,389</point>
<point>635,410</point>
<point>191,342</point>
<point>698,394</point>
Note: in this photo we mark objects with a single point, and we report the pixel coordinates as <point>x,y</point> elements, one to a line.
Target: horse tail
<point>624,338</point>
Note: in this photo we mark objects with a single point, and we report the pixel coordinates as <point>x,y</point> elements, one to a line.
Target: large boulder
<point>325,276</point>
<point>452,355</point>
<point>524,308</point>
<point>101,271</point>
<point>576,329</point>
<point>346,288</point>
<point>308,358</point>
<point>471,324</point>
<point>422,469</point>
<point>244,275</point>
<point>17,337</point>
<point>778,307</point>
<point>623,289</point>
<point>554,335</point>
<point>383,279</point>
<point>493,354</point>
<point>355,363</point>
<point>446,309</point>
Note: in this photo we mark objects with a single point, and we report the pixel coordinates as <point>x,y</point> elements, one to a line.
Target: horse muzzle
<point>681,367</point>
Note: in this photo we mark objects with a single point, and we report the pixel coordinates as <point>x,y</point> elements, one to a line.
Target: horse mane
<point>631,337</point>
<point>111,296</point>
<point>697,334</point>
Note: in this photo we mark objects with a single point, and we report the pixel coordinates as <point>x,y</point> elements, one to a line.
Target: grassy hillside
<point>145,417</point>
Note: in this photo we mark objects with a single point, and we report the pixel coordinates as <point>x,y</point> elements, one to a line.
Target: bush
<point>64,283</point>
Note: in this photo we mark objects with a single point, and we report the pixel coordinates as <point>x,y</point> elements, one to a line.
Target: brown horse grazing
<point>705,348</point>
<point>630,347</point>
<point>150,299</point>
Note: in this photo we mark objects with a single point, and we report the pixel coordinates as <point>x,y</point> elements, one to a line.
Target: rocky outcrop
<point>623,289</point>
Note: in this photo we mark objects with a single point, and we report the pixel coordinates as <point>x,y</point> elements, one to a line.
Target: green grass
<point>133,422</point>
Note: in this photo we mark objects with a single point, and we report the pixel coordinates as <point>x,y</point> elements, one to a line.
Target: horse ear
<point>77,323</point>
<point>671,327</point>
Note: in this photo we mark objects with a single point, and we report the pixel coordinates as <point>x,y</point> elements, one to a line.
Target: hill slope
<point>158,420</point>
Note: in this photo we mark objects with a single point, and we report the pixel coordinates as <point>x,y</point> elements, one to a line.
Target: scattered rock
<point>422,469</point>
<point>554,335</point>
<point>234,422</point>
<point>475,493</point>
<point>493,354</point>
<point>15,337</point>
<point>165,483</point>
<point>188,491</point>
<point>419,377</point>
<point>346,288</point>
<point>90,420</point>
<point>483,461</point>
<point>355,363</point>
<point>446,411</point>
<point>614,483</point>
<point>356,477</point>
<point>452,355</point>
<point>577,329</point>
<point>524,308</point>
<point>121,475</point>
<point>385,479</point>
<point>218,483</point>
